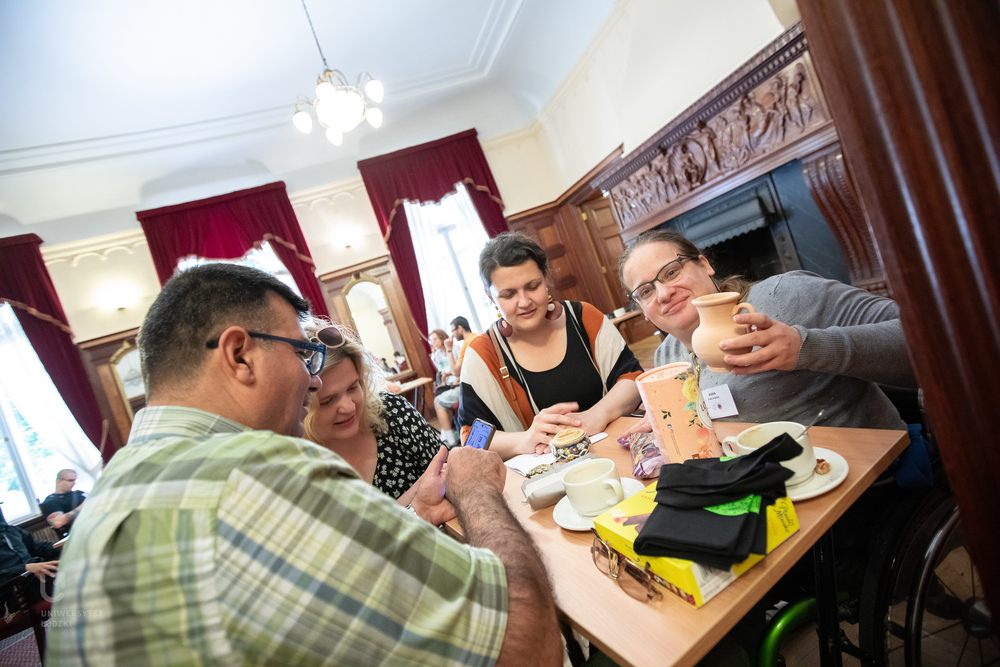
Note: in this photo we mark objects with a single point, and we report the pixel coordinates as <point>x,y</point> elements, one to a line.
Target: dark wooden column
<point>914,90</point>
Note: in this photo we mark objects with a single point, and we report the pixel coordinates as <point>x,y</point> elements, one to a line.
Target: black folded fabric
<point>707,482</point>
<point>714,512</point>
<point>716,537</point>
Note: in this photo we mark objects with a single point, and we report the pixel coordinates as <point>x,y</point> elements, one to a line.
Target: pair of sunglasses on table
<point>635,581</point>
<point>312,352</point>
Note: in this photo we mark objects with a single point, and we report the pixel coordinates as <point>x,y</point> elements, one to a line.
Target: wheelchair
<point>920,603</point>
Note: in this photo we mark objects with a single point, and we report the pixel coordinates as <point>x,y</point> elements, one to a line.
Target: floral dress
<point>405,449</point>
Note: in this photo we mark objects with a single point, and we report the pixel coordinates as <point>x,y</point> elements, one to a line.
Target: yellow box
<point>695,584</point>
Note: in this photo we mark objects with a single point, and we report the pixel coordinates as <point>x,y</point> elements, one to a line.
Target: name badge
<point>720,402</point>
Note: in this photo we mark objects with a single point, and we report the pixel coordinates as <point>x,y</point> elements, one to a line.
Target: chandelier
<point>339,106</point>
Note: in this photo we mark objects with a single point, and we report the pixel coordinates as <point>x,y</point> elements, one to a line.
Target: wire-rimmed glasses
<point>669,274</point>
<point>638,583</point>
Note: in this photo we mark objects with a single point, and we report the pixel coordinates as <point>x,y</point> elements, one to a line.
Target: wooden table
<point>418,395</point>
<point>668,631</point>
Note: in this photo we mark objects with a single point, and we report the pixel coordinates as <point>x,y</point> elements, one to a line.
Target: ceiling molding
<point>307,198</point>
<point>493,34</point>
<point>96,246</point>
<point>496,27</point>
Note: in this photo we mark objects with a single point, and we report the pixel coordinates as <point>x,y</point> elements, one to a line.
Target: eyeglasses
<point>312,353</point>
<point>667,275</point>
<point>638,583</point>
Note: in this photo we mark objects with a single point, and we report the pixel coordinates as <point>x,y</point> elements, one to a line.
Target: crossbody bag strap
<point>586,345</point>
<point>505,375</point>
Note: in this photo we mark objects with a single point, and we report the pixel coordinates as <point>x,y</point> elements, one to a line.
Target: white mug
<point>593,487</point>
<point>803,465</point>
<point>619,312</point>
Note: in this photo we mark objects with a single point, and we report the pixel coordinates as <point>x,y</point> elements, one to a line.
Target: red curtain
<point>426,173</point>
<point>227,227</point>
<point>25,284</point>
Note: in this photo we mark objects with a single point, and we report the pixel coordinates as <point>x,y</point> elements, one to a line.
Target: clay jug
<point>716,312</point>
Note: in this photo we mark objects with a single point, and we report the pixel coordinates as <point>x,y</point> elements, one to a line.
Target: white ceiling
<point>112,106</point>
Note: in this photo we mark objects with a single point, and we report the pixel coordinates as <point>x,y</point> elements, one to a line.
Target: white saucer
<point>817,485</point>
<point>566,516</point>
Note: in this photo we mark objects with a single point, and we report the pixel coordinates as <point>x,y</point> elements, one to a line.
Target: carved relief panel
<point>762,121</point>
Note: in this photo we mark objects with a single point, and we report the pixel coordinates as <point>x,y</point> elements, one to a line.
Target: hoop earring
<point>555,309</point>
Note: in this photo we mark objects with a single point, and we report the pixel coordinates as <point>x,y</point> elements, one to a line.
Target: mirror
<point>374,323</point>
<point>128,375</point>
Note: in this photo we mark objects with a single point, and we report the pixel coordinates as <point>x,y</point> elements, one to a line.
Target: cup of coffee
<point>803,465</point>
<point>593,486</point>
<point>570,443</point>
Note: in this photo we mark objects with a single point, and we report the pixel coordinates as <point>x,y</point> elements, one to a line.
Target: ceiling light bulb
<point>335,136</point>
<point>325,89</point>
<point>374,117</point>
<point>343,110</point>
<point>375,90</point>
<point>303,122</point>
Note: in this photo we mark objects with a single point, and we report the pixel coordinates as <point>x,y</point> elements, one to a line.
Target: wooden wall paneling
<point>605,233</point>
<point>559,226</point>
<point>834,192</point>
<point>96,355</point>
<point>913,87</point>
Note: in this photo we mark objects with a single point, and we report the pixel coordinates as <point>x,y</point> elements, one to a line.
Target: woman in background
<point>567,364</point>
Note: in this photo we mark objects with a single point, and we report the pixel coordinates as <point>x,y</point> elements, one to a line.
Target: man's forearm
<point>532,635</point>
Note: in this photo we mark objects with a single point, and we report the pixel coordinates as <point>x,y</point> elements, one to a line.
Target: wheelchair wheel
<point>922,602</point>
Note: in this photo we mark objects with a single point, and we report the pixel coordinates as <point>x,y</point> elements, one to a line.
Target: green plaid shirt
<point>206,543</point>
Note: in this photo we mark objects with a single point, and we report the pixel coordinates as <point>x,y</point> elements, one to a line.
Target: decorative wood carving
<point>913,88</point>
<point>768,112</point>
<point>781,110</point>
<point>97,355</point>
<point>834,192</point>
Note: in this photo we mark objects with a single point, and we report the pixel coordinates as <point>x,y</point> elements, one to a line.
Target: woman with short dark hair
<point>544,365</point>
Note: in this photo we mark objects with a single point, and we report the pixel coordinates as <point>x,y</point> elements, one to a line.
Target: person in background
<point>446,380</point>
<point>567,365</point>
<point>61,508</point>
<point>20,552</point>
<point>379,433</point>
<point>219,536</point>
<point>444,401</point>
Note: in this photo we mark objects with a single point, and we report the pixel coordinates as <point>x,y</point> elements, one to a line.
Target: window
<point>262,258</point>
<point>447,239</point>
<point>39,435</point>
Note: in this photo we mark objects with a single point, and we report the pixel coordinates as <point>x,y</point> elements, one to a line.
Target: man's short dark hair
<point>196,306</point>
<point>506,250</point>
<point>461,322</point>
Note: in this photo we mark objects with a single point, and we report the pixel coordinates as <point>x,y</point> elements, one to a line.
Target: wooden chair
<point>19,614</point>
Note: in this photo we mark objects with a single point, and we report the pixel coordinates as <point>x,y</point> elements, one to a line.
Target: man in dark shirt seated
<point>19,552</point>
<point>63,506</point>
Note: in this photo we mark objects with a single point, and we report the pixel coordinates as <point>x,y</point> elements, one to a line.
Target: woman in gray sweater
<point>817,343</point>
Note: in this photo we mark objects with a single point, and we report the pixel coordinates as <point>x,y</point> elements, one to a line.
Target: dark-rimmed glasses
<point>638,583</point>
<point>667,275</point>
<point>312,353</point>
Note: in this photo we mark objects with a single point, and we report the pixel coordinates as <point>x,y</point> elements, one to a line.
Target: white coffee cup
<point>619,312</point>
<point>592,487</point>
<point>803,465</point>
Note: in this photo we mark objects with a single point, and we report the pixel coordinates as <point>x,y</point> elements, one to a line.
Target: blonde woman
<point>380,434</point>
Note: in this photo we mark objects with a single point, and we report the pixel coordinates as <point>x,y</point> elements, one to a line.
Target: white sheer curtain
<point>45,436</point>
<point>447,239</point>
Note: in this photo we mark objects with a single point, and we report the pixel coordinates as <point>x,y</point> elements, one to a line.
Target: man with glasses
<point>217,536</point>
<point>61,508</point>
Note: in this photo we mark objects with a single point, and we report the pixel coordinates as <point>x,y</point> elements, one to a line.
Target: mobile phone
<point>481,435</point>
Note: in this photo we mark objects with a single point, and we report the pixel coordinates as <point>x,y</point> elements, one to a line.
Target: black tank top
<point>575,379</point>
